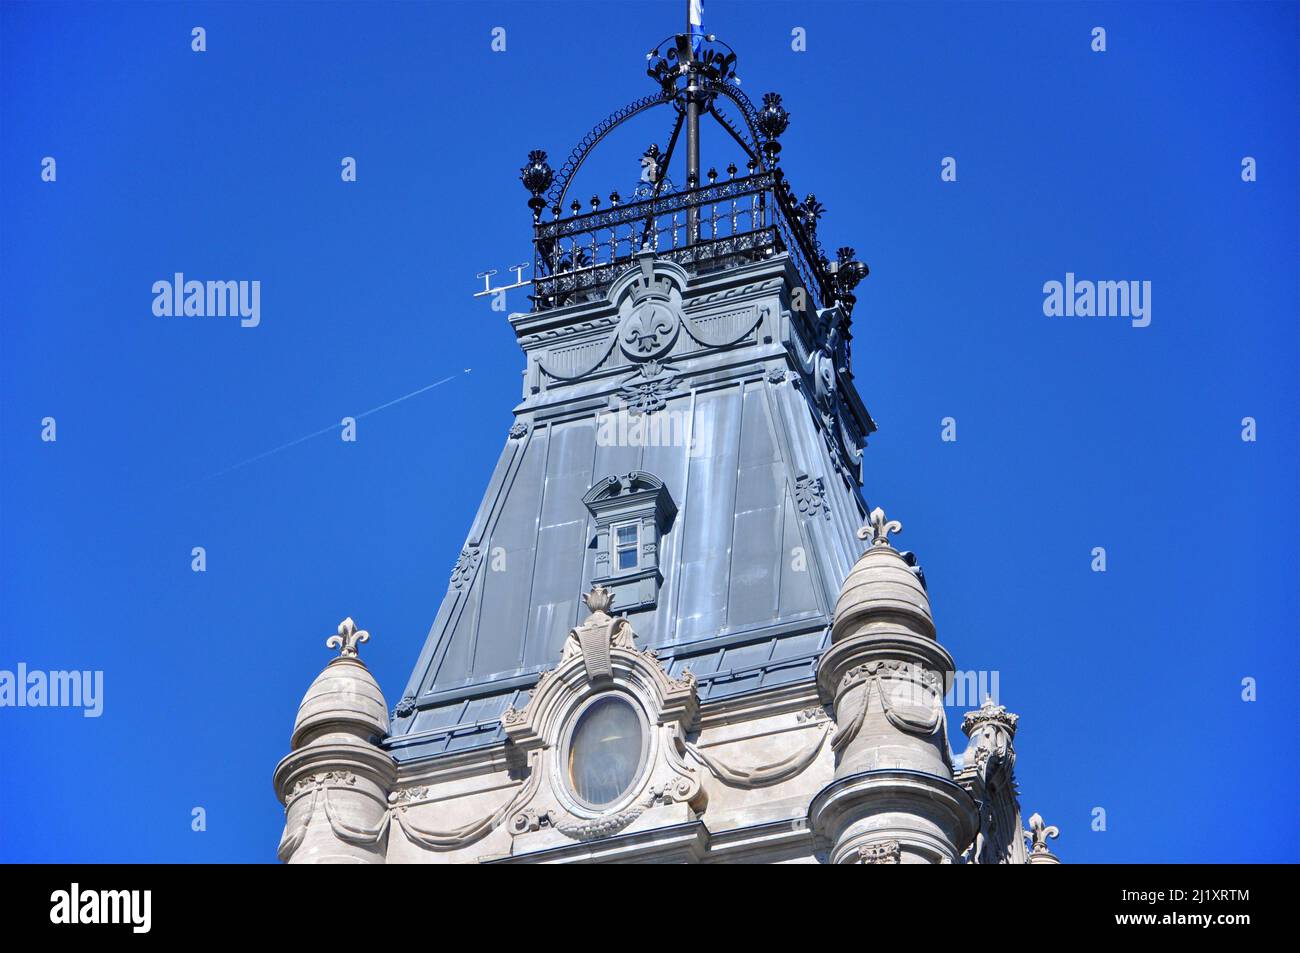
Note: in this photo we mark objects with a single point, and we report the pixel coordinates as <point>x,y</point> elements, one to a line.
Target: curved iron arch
<point>737,96</point>
<point>564,177</point>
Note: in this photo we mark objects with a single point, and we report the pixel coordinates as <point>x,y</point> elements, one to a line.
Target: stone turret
<point>988,773</point>
<point>893,798</point>
<point>336,779</point>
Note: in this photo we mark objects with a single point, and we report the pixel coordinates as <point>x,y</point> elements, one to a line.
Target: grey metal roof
<point>767,507</point>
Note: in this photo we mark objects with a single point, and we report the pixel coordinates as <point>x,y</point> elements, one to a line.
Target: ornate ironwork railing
<point>704,227</point>
<point>734,221</point>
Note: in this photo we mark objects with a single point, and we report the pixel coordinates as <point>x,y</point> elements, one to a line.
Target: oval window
<point>605,751</point>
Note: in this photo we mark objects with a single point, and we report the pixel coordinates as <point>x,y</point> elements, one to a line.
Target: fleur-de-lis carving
<point>648,325</point>
<point>347,639</point>
<point>1039,832</point>
<point>878,528</point>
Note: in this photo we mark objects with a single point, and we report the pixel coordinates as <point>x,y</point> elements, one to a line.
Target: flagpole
<point>692,129</point>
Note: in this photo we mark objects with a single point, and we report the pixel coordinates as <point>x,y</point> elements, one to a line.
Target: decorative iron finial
<point>685,58</point>
<point>810,211</point>
<point>598,600</point>
<point>347,639</point>
<point>846,272</point>
<point>1038,834</point>
<point>879,528</point>
<point>773,119</point>
<point>536,176</point>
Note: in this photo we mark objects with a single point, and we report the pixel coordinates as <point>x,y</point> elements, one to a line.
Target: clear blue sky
<point>1072,433</point>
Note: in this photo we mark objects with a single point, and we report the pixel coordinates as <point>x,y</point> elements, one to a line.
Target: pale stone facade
<point>769,778</point>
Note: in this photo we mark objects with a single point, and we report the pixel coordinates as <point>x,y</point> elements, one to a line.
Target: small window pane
<point>605,753</point>
<point>626,545</point>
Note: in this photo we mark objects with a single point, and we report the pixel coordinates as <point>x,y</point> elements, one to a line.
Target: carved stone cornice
<point>752,289</point>
<point>344,761</point>
<point>845,664</point>
<point>938,818</point>
<point>880,852</point>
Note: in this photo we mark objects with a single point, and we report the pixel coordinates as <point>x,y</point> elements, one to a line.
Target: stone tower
<point>662,639</point>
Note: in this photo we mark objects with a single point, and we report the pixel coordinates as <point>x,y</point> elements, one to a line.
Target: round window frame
<point>566,748</point>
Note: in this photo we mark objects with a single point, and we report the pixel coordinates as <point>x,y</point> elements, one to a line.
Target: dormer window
<point>627,547</point>
<point>632,513</point>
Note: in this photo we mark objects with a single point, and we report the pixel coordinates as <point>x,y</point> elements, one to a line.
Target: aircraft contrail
<point>324,430</point>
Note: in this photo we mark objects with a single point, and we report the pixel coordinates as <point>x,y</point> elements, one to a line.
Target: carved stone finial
<point>600,632</point>
<point>347,639</point>
<point>989,713</point>
<point>1038,834</point>
<point>598,600</point>
<point>879,528</point>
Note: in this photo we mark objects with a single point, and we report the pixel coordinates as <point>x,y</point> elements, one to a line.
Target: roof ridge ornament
<point>347,639</point>
<point>1039,832</point>
<point>773,119</point>
<point>598,600</point>
<point>879,528</point>
<point>537,176</point>
<point>597,635</point>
